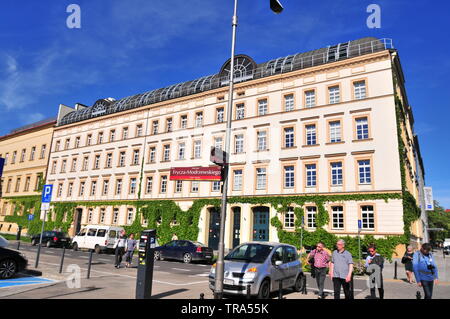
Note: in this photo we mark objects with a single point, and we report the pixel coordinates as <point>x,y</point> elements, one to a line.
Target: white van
<point>99,238</point>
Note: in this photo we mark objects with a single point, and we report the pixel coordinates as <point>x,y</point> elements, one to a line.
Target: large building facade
<point>26,152</point>
<point>317,123</point>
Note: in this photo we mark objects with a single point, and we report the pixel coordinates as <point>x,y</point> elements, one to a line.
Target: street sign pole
<point>359,240</point>
<point>301,238</point>
<point>40,240</point>
<point>45,207</point>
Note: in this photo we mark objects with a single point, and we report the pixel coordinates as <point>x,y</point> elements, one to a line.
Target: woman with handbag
<point>407,260</point>
<point>319,260</point>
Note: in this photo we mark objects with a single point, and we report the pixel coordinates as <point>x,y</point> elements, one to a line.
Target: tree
<point>438,218</point>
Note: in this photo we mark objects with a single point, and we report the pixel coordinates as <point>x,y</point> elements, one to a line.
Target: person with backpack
<point>319,260</point>
<point>374,266</point>
<point>425,270</point>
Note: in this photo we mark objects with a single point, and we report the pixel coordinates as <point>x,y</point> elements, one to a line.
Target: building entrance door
<point>214,228</point>
<point>261,223</point>
<point>236,226</point>
<point>77,220</point>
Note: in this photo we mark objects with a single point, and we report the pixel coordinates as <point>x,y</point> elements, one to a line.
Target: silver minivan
<point>260,266</point>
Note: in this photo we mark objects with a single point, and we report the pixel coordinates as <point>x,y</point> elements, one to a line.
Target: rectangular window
<point>100,138</point>
<point>364,172</point>
<point>112,135</point>
<point>194,186</point>
<point>97,162</point>
<point>198,149</point>
<point>335,132</point>
<point>183,123</point>
<point>139,130</point>
<point>262,107</point>
<point>310,98</point>
<point>368,217</point>
<point>362,128</point>
<point>334,94</point>
<point>27,184</point>
<point>336,174</point>
<point>63,166</point>
<point>311,134</point>
<point>32,153</point>
<point>311,175</point>
<point>169,126</point>
<point>337,217</point>
<point>239,144</point>
<point>102,216</point>
<point>135,157</point>
<point>152,154</point>
<point>179,186</point>
<point>289,218</point>
<point>118,186</point>
<point>105,187</point>
<point>43,149</point>
<point>70,190</point>
<point>122,159</point>
<point>77,142</point>
<point>14,156</point>
<point>74,165</point>
<point>82,186</point>
<point>166,155</point>
<point>133,185</point>
<point>130,215</point>
<point>108,163</point>
<point>261,178</point>
<point>93,188</point>
<point>85,163</point>
<point>289,180</point>
<point>199,119</point>
<point>359,88</point>
<point>240,111</point>
<point>125,133</point>
<point>220,115</point>
<point>57,145</point>
<point>8,186</point>
<point>90,213</point>
<point>181,151</point>
<point>262,140</point>
<point>89,139</point>
<point>289,102</point>
<point>311,212</point>
<point>216,186</point>
<point>155,127</point>
<point>163,184</point>
<point>289,137</point>
<point>17,185</point>
<point>237,180</point>
<point>218,141</point>
<point>115,216</point>
<point>54,167</point>
<point>22,155</point>
<point>149,185</point>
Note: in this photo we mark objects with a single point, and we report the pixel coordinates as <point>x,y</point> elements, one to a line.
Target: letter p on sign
<point>47,193</point>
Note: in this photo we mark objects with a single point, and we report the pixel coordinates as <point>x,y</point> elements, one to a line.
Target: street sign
<point>428,194</point>
<point>30,217</point>
<point>359,224</point>
<point>218,156</point>
<point>47,193</point>
<point>213,173</point>
<point>2,164</point>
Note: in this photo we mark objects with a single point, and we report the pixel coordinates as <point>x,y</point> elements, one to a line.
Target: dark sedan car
<point>52,239</point>
<point>11,262</point>
<point>184,250</point>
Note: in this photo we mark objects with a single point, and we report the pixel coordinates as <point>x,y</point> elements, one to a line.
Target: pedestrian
<point>407,260</point>
<point>319,260</point>
<point>174,236</point>
<point>119,247</point>
<point>341,270</point>
<point>425,270</point>
<point>130,248</point>
<point>374,265</point>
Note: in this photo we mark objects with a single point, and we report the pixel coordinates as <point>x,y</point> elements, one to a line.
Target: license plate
<point>63,240</point>
<point>208,256</point>
<point>228,281</point>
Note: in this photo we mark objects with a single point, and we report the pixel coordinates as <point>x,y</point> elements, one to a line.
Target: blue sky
<point>132,46</point>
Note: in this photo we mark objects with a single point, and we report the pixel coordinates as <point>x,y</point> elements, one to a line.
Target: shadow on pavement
<point>169,293</point>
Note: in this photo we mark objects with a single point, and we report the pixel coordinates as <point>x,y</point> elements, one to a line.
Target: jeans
<point>118,255</point>
<point>321,274</point>
<point>427,288</point>
<point>337,283</point>
<point>129,256</point>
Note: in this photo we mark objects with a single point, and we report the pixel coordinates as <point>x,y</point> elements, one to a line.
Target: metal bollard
<point>280,289</point>
<point>418,295</point>
<point>202,296</point>
<point>62,259</point>
<point>248,291</point>
<point>90,262</point>
<point>395,270</point>
<point>18,245</point>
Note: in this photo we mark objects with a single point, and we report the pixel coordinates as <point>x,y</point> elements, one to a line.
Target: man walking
<point>321,261</point>
<point>119,247</point>
<point>425,270</point>
<point>341,270</point>
<point>374,266</point>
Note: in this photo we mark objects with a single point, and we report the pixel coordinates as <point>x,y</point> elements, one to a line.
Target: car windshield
<point>3,242</point>
<point>252,253</point>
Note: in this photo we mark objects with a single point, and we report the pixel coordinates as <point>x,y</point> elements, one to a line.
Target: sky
<point>133,46</point>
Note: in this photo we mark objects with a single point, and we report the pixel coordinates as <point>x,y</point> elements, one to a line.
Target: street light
<point>276,7</point>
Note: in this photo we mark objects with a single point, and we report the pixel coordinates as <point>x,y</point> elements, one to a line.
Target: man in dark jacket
<point>374,266</point>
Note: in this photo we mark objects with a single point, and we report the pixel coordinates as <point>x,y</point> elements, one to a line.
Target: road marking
<point>102,259</point>
<point>181,269</point>
<point>200,275</point>
<point>202,265</point>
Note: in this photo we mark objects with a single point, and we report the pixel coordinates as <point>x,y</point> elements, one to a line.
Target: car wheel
<point>49,244</point>
<point>33,242</point>
<point>8,268</point>
<point>264,290</point>
<point>75,246</point>
<point>157,255</point>
<point>97,249</point>
<point>187,258</point>
<point>298,286</point>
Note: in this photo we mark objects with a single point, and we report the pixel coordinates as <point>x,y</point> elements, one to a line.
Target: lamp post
<point>276,7</point>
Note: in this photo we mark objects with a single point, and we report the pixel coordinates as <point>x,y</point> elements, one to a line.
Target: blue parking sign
<point>30,217</point>
<point>47,193</point>
<point>359,224</point>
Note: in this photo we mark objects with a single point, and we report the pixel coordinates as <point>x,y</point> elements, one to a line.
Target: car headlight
<point>251,273</point>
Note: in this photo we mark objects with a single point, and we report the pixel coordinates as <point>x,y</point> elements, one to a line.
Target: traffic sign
<point>30,217</point>
<point>359,224</point>
<point>47,193</point>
